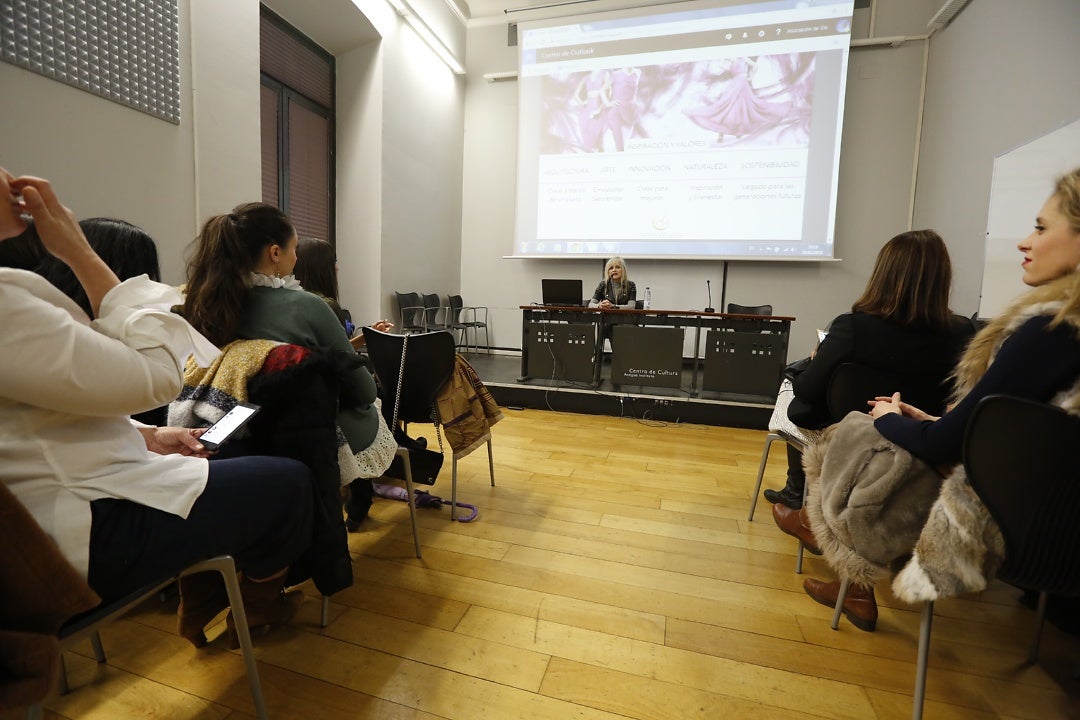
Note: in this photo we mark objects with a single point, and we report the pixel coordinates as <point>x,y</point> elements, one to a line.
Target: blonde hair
<point>625,282</point>
<point>1067,192</point>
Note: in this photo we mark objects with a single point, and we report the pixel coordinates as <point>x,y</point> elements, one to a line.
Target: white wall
<point>877,161</point>
<point>1001,74</point>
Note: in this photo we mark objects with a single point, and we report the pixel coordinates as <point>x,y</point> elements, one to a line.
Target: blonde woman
<point>616,289</point>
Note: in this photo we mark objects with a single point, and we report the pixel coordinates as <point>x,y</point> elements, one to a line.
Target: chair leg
<point>840,598</point>
<point>770,438</point>
<point>1040,616</point>
<point>226,566</point>
<point>412,500</point>
<point>324,618</point>
<point>62,683</point>
<point>99,649</point>
<point>453,489</point>
<point>802,546</point>
<point>491,464</point>
<point>920,665</point>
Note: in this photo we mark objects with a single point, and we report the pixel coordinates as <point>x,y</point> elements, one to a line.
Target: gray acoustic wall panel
<point>125,50</point>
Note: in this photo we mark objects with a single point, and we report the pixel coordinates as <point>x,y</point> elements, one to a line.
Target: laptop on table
<point>564,293</point>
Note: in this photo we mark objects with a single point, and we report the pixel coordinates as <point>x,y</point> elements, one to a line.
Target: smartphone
<point>216,435</point>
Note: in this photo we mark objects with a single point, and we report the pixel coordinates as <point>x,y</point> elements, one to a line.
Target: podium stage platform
<point>500,371</point>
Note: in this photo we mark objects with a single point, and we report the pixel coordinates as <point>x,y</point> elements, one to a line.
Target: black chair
<point>1021,462</point>
<point>736,309</point>
<point>428,363</point>
<point>850,386</point>
<point>436,317</point>
<point>410,312</point>
<point>463,318</point>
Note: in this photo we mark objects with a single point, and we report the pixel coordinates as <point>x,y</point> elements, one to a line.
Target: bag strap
<point>397,395</point>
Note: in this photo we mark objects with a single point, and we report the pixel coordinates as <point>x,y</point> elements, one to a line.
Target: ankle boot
<point>265,603</point>
<point>202,597</point>
<point>797,525</point>
<point>860,605</point>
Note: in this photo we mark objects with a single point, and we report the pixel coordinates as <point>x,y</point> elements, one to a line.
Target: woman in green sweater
<point>240,286</point>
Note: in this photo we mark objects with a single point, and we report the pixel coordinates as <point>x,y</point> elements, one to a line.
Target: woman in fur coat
<point>1031,351</point>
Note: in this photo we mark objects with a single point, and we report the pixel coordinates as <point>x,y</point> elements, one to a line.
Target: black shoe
<point>784,497</point>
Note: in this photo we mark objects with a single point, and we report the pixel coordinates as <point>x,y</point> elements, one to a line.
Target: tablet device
<point>216,435</point>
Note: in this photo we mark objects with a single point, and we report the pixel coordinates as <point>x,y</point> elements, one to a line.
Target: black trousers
<point>257,509</point>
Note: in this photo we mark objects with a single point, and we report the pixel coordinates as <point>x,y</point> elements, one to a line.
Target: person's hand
<point>909,410</point>
<point>881,406</point>
<point>55,224</point>
<point>605,304</point>
<point>64,239</point>
<point>383,325</point>
<point>175,441</point>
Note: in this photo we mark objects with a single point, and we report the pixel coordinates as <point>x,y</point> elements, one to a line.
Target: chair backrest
<point>736,309</point>
<point>429,363</point>
<point>852,384</point>
<point>456,303</point>
<point>411,319</point>
<point>432,305</point>
<point>1021,462</point>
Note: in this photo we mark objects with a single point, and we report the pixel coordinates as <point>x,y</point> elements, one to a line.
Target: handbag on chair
<point>425,463</point>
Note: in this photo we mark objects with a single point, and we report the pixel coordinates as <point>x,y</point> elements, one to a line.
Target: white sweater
<point>67,386</point>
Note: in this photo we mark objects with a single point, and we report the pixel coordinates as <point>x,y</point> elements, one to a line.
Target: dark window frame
<point>285,95</point>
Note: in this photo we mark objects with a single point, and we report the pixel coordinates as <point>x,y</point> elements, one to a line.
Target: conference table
<point>744,354</point>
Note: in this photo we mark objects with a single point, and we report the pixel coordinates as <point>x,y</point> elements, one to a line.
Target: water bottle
<point>648,299</point>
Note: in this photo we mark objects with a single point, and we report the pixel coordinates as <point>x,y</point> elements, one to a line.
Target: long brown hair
<point>910,283</point>
<point>316,267</point>
<point>226,251</point>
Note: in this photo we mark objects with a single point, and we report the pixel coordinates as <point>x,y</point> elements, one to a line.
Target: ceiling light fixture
<point>416,23</point>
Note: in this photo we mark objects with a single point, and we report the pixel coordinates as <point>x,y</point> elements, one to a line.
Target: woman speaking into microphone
<point>616,289</point>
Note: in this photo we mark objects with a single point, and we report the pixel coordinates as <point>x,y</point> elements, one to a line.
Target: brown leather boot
<point>202,597</point>
<point>265,603</point>
<point>860,606</point>
<point>796,524</point>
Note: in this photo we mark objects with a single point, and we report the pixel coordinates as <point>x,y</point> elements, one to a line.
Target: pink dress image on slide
<point>738,110</point>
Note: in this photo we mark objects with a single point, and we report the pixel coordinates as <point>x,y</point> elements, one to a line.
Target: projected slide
<point>708,132</point>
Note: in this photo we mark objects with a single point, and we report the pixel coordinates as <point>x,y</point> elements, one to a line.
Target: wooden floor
<point>611,574</point>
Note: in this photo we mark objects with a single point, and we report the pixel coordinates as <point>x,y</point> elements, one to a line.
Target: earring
<point>277,270</point>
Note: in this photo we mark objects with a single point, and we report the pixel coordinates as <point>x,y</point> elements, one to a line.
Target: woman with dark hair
<point>240,285</point>
<point>900,324</point>
<point>127,249</point>
<point>316,270</point>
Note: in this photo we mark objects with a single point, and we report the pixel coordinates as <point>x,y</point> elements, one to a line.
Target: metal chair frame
<point>89,624</point>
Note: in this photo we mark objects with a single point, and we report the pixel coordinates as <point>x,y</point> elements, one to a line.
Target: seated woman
<point>316,270</point>
<point>1032,351</point>
<point>240,285</point>
<point>616,289</point>
<point>128,505</point>
<point>901,324</point>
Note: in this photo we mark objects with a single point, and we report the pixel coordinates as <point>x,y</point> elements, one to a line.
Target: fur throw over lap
<point>868,499</point>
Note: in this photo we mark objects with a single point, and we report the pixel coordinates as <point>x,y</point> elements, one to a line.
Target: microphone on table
<point>708,286</point>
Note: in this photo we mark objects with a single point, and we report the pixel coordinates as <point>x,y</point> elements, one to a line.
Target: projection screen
<point>693,130</point>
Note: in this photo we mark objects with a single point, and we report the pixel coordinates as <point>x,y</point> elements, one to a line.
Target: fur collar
<point>1048,299</point>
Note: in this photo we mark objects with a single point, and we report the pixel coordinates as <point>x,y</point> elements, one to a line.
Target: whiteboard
<point>1023,179</point>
